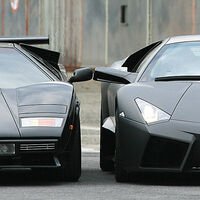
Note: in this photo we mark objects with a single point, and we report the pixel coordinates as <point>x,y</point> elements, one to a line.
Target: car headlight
<point>41,122</point>
<point>150,112</point>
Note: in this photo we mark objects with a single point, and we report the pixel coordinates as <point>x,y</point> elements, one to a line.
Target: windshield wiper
<point>178,78</point>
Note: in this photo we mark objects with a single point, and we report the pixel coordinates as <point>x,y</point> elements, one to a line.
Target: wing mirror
<point>107,74</point>
<point>83,74</point>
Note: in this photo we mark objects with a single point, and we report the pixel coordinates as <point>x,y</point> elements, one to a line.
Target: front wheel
<point>71,165</point>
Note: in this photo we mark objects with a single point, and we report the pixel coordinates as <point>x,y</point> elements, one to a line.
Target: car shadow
<point>166,179</point>
<point>95,177</point>
<point>25,177</point>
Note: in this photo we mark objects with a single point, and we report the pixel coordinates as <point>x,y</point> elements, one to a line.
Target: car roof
<point>184,38</point>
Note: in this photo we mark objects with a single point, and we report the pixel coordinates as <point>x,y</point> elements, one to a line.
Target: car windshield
<point>180,59</point>
<point>16,70</point>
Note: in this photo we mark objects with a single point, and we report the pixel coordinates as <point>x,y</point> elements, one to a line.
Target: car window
<point>180,59</point>
<point>16,70</point>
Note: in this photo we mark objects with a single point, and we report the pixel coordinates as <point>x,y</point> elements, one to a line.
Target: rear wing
<point>50,56</point>
<point>25,40</point>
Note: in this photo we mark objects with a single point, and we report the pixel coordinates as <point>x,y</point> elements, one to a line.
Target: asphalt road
<point>95,184</point>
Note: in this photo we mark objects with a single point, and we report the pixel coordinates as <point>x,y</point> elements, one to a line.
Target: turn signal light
<point>71,127</point>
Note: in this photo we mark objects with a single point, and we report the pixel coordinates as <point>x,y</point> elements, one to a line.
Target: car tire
<point>71,165</point>
<point>120,174</point>
<point>107,140</point>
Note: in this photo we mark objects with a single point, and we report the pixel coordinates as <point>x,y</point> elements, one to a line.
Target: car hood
<point>164,95</point>
<point>179,99</point>
<point>39,100</point>
<point>188,108</point>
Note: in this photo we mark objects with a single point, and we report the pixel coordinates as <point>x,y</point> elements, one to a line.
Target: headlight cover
<point>150,112</point>
<point>41,122</point>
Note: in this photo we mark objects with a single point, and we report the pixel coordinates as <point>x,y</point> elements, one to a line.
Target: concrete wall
<point>148,21</point>
<point>33,18</point>
<point>15,22</point>
<point>125,38</point>
<point>93,32</point>
<point>25,21</point>
<point>172,18</point>
<point>61,21</point>
<point>89,32</point>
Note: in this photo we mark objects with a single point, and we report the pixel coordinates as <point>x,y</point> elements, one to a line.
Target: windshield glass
<point>16,70</point>
<point>180,59</point>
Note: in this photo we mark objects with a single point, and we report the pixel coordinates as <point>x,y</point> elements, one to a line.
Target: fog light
<point>7,149</point>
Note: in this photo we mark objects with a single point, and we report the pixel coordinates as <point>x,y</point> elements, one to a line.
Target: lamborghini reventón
<point>150,109</point>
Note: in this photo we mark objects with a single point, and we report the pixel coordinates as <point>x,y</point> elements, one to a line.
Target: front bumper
<point>172,146</point>
<point>39,153</point>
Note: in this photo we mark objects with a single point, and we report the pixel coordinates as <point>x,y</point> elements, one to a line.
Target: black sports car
<point>153,97</point>
<point>39,118</point>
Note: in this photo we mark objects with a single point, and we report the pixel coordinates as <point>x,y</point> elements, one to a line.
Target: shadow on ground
<point>192,179</point>
<point>93,176</point>
<point>167,179</point>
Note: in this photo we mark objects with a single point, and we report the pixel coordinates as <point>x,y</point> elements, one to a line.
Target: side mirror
<point>83,74</point>
<point>107,74</point>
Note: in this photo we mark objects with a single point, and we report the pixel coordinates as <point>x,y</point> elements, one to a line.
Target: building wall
<point>125,38</point>
<point>171,18</point>
<point>147,21</point>
<point>25,21</point>
<point>61,21</point>
<point>33,12</point>
<point>14,21</point>
<point>93,32</point>
<point>89,32</point>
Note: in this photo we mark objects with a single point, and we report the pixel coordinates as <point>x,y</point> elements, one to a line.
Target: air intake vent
<point>37,147</point>
<point>164,153</point>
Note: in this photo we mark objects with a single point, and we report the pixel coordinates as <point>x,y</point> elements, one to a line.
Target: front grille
<point>38,147</point>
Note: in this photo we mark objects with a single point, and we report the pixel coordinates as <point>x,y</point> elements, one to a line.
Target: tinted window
<point>16,70</point>
<point>180,59</point>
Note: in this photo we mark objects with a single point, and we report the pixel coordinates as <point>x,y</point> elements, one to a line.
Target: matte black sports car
<point>39,110</point>
<point>153,97</point>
